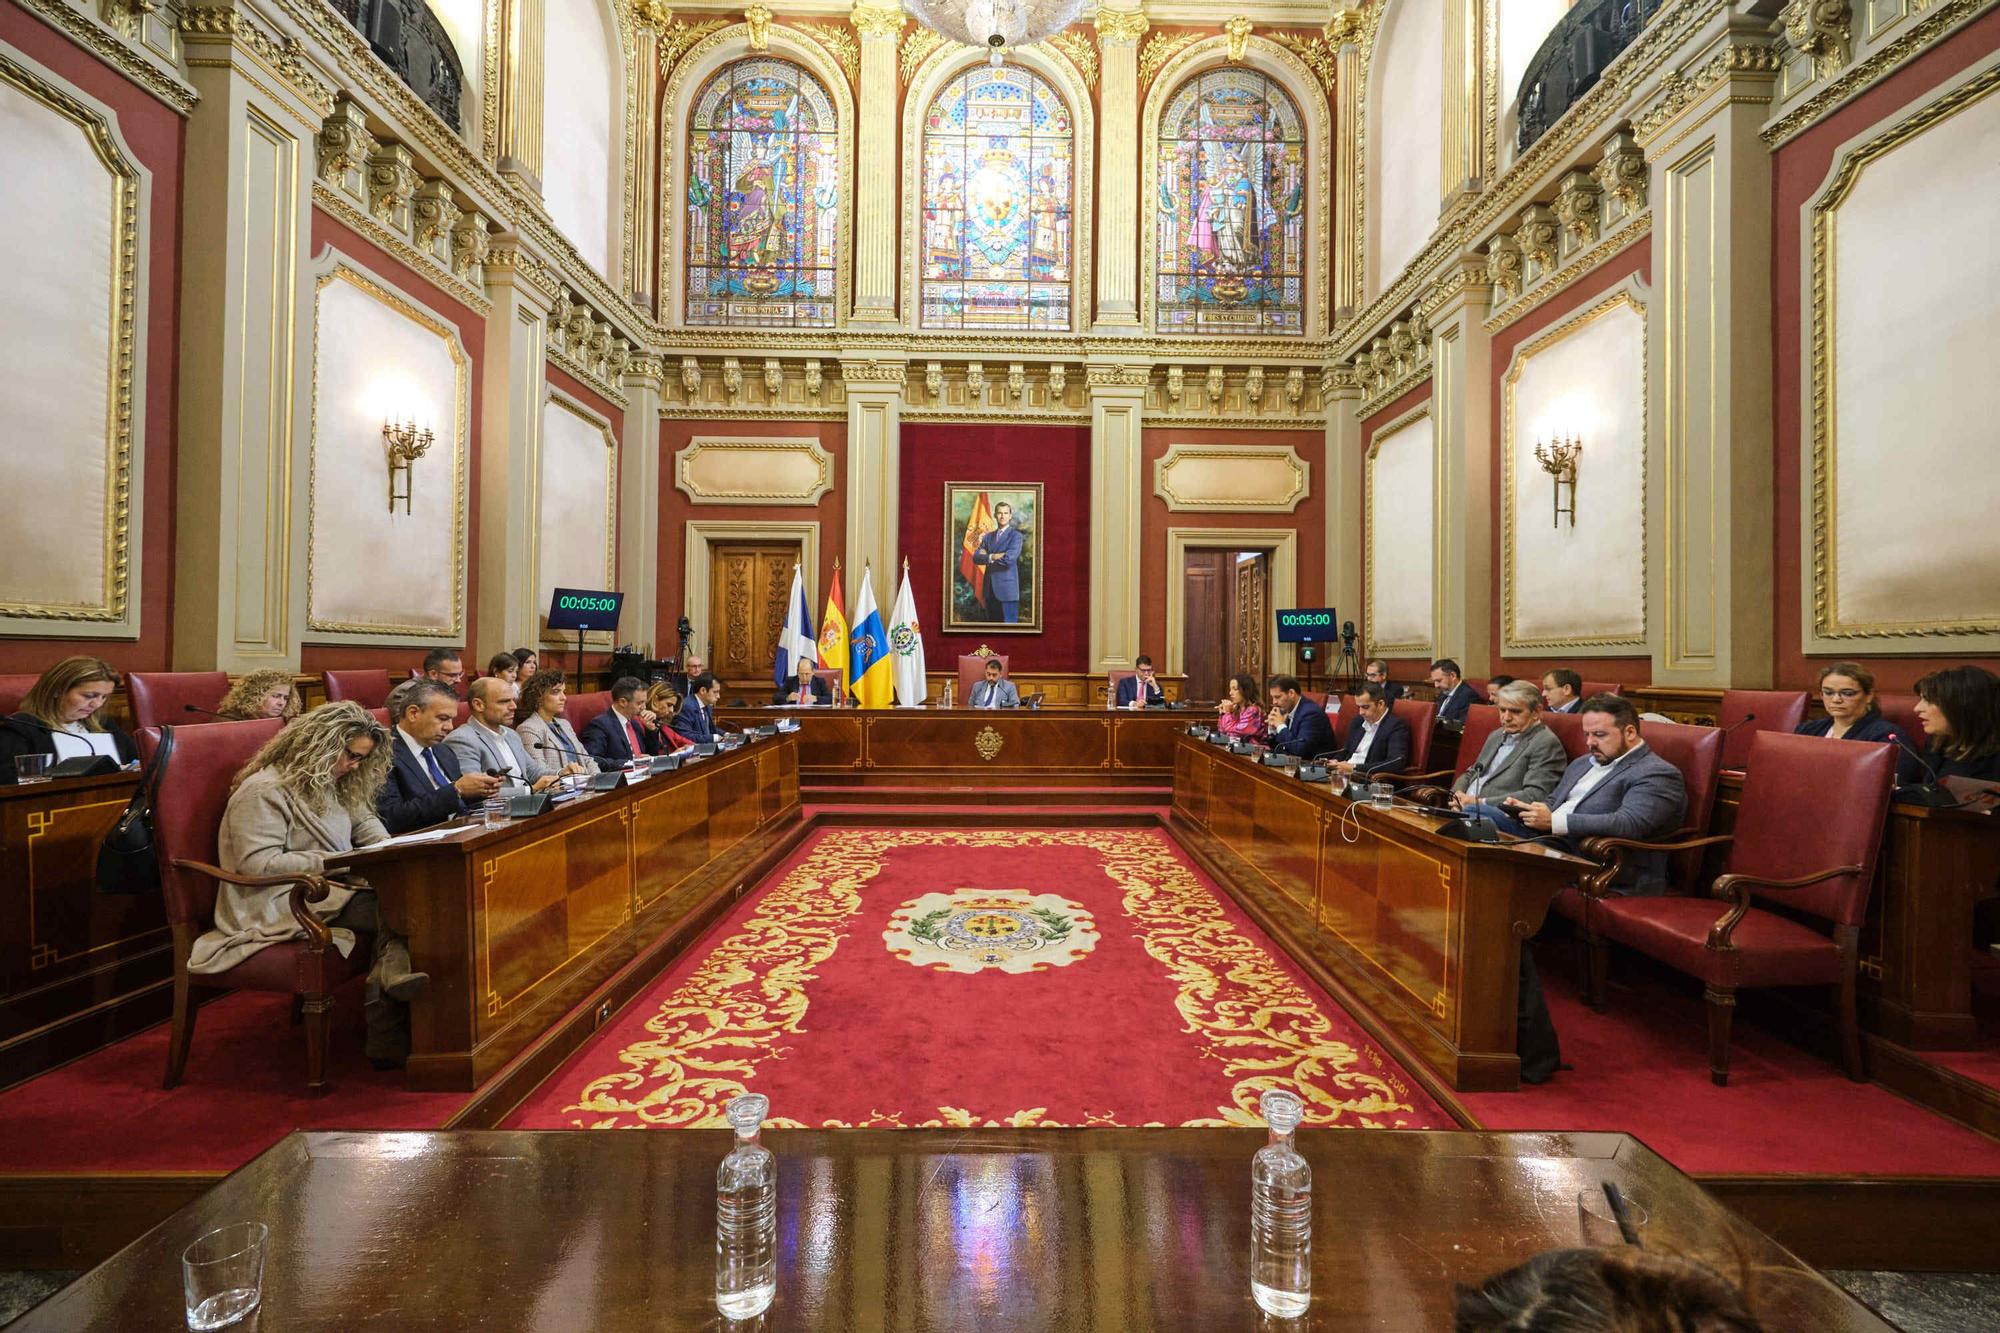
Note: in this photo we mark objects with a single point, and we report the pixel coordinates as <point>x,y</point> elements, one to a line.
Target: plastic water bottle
<point>746,1216</point>
<point>1281,1214</point>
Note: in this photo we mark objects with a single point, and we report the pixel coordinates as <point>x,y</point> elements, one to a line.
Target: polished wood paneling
<point>1425,931</point>
<point>518,923</point>
<point>748,585</point>
<point>1207,626</point>
<point>78,968</point>
<point>885,1229</point>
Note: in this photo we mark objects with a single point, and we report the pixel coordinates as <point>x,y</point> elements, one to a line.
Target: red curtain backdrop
<point>1056,456</point>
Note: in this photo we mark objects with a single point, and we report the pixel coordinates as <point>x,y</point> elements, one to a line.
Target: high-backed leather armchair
<point>1756,710</point>
<point>1481,721</point>
<point>13,689</point>
<point>580,710</point>
<point>1422,718</point>
<point>161,698</point>
<point>187,814</point>
<point>972,670</point>
<point>1807,835</point>
<point>370,689</point>
<point>1591,687</point>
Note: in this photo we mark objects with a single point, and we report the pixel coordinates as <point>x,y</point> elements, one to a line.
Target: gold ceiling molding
<point>753,470</point>
<point>1938,20</point>
<point>1243,479</point>
<point>124,354</point>
<point>108,45</point>
<point>1823,407</point>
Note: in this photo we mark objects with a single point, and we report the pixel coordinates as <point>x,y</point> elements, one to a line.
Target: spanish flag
<point>833,631</point>
<point>870,666</point>
<point>976,527</point>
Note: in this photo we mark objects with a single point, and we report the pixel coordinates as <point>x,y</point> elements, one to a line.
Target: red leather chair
<point>835,685</point>
<point>580,710</point>
<point>1807,834</point>
<point>1898,710</point>
<point>187,815</point>
<point>13,689</point>
<point>380,715</point>
<point>1758,710</point>
<point>1481,721</point>
<point>161,698</point>
<point>972,670</point>
<point>1422,719</point>
<point>1591,687</point>
<point>1342,718</point>
<point>370,689</point>
<point>1568,728</point>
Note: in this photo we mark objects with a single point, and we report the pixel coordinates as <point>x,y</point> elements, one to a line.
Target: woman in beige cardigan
<point>307,795</point>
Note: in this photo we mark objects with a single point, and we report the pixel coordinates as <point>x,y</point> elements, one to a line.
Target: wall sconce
<point>1559,461</point>
<point>406,444</point>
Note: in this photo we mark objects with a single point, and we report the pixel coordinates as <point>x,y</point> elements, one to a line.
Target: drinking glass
<point>494,811</point>
<point>1596,1223</point>
<point>223,1275</point>
<point>31,768</point>
<point>1382,794</point>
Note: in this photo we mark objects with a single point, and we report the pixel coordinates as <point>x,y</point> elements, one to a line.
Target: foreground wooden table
<point>517,924</point>
<point>1037,1229</point>
<point>1425,931</point>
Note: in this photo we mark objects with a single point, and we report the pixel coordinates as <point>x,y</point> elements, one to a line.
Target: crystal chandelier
<point>996,24</point>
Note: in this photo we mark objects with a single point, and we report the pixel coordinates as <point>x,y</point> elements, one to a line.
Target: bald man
<point>488,743</point>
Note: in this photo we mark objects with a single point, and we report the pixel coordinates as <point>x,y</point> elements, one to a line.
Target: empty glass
<point>1382,794</point>
<point>223,1274</point>
<point>494,811</point>
<point>1596,1223</point>
<point>32,767</point>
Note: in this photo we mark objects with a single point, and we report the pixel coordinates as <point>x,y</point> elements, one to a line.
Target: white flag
<point>906,642</point>
<point>796,643</point>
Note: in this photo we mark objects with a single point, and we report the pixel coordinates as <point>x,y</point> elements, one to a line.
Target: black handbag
<point>126,864</point>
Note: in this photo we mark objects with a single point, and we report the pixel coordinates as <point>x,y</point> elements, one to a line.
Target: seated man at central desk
<point>1521,760</point>
<point>1379,741</point>
<point>996,691</point>
<point>1141,689</point>
<point>487,743</point>
<point>1304,730</point>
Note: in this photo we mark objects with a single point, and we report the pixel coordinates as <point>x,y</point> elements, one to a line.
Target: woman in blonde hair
<point>663,701</point>
<point>61,716</point>
<point>308,795</point>
<point>261,694</point>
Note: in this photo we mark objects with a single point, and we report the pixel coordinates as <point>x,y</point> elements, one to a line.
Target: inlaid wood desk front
<point>1424,930</point>
<point>1038,1229</point>
<point>518,923</point>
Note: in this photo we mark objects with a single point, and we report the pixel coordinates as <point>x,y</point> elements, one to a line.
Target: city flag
<point>976,527</point>
<point>906,644</point>
<point>868,665</point>
<point>833,632</point>
<point>795,642</point>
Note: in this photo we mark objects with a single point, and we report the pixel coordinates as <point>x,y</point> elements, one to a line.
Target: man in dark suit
<point>1562,690</point>
<point>1141,690</point>
<point>995,691</point>
<point>804,689</point>
<point>1378,741</point>
<point>696,720</point>
<point>1376,672</point>
<point>614,737</point>
<point>426,785</point>
<point>1305,731</point>
<point>1454,696</point>
<point>1000,552</point>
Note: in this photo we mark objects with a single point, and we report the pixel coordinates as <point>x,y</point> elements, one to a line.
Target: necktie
<point>436,769</point>
<point>633,733</point>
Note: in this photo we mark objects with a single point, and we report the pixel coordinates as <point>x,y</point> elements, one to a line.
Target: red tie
<point>633,732</point>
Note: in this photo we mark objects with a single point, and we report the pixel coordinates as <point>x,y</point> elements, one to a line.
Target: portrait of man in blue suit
<point>992,552</point>
<point>1000,552</point>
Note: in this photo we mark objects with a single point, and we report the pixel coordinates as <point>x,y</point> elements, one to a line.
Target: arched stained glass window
<point>998,153</point>
<point>1230,246</point>
<point>763,198</point>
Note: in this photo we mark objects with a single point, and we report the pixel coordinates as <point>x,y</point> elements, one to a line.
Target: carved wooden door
<point>1206,630</point>
<point>748,585</point>
<point>1250,648</point>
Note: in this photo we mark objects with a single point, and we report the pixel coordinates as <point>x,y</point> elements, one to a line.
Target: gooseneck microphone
<point>207,712</point>
<point>1931,793</point>
<point>1740,722</point>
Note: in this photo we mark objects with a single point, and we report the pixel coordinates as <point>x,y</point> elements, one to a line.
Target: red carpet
<point>244,1090</point>
<point>950,977</point>
<point>1642,1067</point>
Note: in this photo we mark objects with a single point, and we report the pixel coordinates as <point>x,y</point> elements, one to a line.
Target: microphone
<point>207,712</point>
<point>1929,794</point>
<point>1743,721</point>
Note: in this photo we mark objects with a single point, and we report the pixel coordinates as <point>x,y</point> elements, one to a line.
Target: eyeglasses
<point>1827,692</point>
<point>354,758</point>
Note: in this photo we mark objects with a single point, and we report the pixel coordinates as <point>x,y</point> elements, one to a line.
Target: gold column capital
<point>873,19</point>
<point>1124,26</point>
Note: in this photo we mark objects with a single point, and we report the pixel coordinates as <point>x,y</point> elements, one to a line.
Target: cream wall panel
<point>1246,478</point>
<point>1580,587</point>
<point>1914,401</point>
<point>1402,538</point>
<point>372,571</point>
<point>580,118</point>
<point>737,471</point>
<point>1405,137</point>
<point>579,496</point>
<point>71,198</point>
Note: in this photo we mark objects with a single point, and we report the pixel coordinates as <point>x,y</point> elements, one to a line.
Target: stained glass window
<point>1231,168</point>
<point>996,236</point>
<point>763,198</point>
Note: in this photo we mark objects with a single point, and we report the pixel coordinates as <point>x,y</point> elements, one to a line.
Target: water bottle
<point>746,1216</point>
<point>1281,1214</point>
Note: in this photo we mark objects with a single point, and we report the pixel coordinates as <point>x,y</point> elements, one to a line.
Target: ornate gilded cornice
<point>1821,29</point>
<point>1682,89</point>
<point>384,238</point>
<point>149,73</point>
<point>1864,73</point>
<point>877,20</point>
<point>281,53</point>
<point>1121,25</point>
<point>838,43</point>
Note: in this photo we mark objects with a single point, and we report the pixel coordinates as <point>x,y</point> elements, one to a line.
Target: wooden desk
<point>1092,1229</point>
<point>517,924</point>
<point>1426,931</point>
<point>1916,946</point>
<point>78,968</point>
<point>966,746</point>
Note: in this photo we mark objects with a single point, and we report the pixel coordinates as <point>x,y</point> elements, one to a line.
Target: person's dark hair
<point>1372,689</point>
<point>1618,708</point>
<point>437,657</point>
<point>538,685</point>
<point>1446,665</point>
<point>1497,681</point>
<point>418,694</point>
<point>501,663</point>
<point>1854,671</point>
<point>993,664</point>
<point>1568,679</point>
<point>1285,684</point>
<point>1970,698</point>
<point>625,687</point>
<point>1617,1290</point>
<point>521,656</point>
<point>701,682</point>
<point>1247,684</point>
<point>1142,660</point>
<point>1376,662</point>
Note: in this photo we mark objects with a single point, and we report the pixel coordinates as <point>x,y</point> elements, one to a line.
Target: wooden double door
<point>1226,625</point>
<point>748,585</point>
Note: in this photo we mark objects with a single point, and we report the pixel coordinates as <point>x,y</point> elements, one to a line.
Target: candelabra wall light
<point>1558,459</point>
<point>406,444</point>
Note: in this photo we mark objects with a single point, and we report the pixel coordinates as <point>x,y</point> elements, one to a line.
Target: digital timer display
<point>1308,625</point>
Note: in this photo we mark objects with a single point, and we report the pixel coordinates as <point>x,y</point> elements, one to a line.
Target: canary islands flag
<point>833,630</point>
<point>869,667</point>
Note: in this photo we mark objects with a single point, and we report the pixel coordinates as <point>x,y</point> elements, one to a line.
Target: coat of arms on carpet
<point>1008,930</point>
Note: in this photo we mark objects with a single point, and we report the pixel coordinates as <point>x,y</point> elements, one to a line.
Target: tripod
<point>1346,667</point>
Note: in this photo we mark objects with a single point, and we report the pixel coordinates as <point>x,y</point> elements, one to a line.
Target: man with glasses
<point>446,666</point>
<point>1376,672</point>
<point>1562,690</point>
<point>1141,689</point>
<point>426,785</point>
<point>1522,760</point>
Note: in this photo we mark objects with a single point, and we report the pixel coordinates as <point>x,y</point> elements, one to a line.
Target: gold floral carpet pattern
<point>1182,1013</point>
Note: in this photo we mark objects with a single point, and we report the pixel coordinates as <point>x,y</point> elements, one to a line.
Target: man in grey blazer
<point>487,743</point>
<point>1522,759</point>
<point>995,691</point>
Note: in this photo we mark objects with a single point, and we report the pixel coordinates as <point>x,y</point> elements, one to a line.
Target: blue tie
<point>437,771</point>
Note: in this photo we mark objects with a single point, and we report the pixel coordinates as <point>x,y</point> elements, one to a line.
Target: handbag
<point>126,864</point>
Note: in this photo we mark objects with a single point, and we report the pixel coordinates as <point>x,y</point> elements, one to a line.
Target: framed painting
<point>992,555</point>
